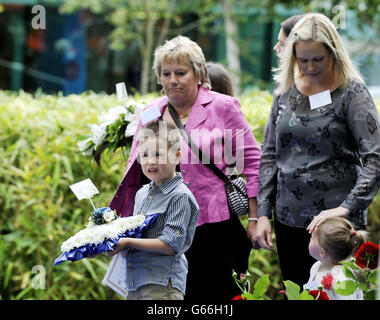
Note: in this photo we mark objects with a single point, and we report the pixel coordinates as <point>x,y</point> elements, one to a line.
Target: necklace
<point>182,116</point>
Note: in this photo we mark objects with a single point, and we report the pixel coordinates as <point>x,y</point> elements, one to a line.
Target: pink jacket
<point>211,114</point>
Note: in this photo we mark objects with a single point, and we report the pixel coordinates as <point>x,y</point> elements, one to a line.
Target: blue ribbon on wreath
<point>107,245</point>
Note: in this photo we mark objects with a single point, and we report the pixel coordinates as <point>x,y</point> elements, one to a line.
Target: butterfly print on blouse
<point>330,112</point>
<point>319,185</point>
<point>337,148</point>
<point>360,116</point>
<point>324,132</point>
<point>300,171</point>
<point>317,207</point>
<point>285,139</point>
<point>312,151</point>
<point>349,168</point>
<point>364,144</point>
<point>285,216</point>
<point>304,120</point>
<point>337,174</point>
<point>293,120</point>
<point>297,193</point>
<point>314,138</point>
<point>294,146</point>
<point>294,101</point>
<point>371,123</point>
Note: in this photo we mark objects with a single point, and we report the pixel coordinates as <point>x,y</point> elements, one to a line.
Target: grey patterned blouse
<point>319,159</point>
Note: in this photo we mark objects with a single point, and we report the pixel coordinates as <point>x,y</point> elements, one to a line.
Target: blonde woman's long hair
<point>315,27</point>
<point>181,48</point>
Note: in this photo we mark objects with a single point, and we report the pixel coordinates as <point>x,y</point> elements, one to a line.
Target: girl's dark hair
<point>219,78</point>
<point>338,237</point>
<point>288,24</point>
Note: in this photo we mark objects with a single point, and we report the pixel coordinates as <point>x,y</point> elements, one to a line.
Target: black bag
<point>235,186</point>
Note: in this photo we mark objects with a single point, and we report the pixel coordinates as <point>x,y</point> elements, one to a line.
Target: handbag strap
<point>204,159</point>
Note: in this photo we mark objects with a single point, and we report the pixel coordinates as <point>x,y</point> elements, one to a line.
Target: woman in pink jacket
<point>218,127</point>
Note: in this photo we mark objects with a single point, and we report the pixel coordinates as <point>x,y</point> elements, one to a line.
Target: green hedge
<point>39,159</point>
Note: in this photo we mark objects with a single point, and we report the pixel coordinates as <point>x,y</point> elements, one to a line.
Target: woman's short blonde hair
<point>178,49</point>
<point>315,27</point>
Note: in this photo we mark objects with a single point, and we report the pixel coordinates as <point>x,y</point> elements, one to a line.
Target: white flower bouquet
<point>102,233</point>
<point>115,130</point>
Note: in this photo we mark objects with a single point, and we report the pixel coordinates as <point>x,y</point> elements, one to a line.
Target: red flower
<point>319,295</point>
<point>239,297</point>
<point>327,281</point>
<point>367,255</point>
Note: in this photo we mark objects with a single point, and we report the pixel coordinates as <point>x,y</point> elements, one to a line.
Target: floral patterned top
<point>327,279</point>
<point>313,160</point>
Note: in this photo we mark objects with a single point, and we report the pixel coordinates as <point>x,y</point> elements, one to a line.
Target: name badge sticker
<point>150,114</point>
<point>320,99</point>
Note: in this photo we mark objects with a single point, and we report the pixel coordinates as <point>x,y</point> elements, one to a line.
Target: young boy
<point>156,264</point>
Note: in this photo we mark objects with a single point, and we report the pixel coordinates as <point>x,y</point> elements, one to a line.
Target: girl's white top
<point>337,272</point>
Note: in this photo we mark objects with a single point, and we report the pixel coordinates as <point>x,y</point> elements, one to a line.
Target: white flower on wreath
<point>108,216</point>
<point>133,119</point>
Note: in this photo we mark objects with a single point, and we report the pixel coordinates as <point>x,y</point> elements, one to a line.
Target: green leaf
<point>90,269</point>
<point>8,273</point>
<point>292,290</point>
<point>372,278</point>
<point>305,295</point>
<point>370,295</point>
<point>348,273</point>
<point>261,287</point>
<point>345,288</point>
<point>363,286</point>
<point>350,264</point>
<point>248,296</point>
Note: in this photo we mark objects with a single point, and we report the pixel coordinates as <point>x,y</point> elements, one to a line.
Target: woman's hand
<point>264,233</point>
<point>252,234</point>
<point>251,228</point>
<point>323,215</point>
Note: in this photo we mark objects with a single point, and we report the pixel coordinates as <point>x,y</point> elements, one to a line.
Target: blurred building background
<point>72,54</point>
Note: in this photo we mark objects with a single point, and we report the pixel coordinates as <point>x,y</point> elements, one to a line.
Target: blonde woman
<point>321,149</point>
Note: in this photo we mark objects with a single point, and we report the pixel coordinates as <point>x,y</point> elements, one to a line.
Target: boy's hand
<point>121,245</point>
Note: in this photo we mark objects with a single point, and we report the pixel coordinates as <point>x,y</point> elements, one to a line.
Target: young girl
<point>333,241</point>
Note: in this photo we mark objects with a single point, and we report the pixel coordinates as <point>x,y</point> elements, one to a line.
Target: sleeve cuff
<point>264,210</point>
<point>351,203</point>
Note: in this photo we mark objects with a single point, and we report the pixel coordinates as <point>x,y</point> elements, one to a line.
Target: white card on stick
<point>320,99</point>
<point>84,189</point>
<point>150,114</point>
